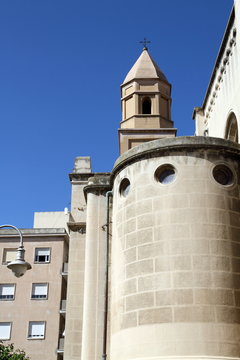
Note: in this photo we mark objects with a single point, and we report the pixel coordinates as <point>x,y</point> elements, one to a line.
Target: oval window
<point>165,174</point>
<point>223,175</point>
<point>124,187</point>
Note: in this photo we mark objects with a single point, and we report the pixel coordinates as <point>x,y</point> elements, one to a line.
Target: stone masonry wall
<point>176,260</point>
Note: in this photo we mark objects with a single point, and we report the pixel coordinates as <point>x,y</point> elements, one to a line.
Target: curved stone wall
<point>176,252</point>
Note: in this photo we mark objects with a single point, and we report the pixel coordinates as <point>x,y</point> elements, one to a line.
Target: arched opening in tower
<point>146,106</point>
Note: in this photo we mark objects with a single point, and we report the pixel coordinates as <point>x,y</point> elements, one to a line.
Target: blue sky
<point>60,57</point>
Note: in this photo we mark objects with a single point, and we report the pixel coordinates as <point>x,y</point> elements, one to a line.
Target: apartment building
<point>32,308</point>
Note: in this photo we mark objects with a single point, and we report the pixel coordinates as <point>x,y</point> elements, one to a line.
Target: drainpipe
<point>104,353</point>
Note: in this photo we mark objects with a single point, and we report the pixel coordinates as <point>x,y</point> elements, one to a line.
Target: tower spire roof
<point>145,68</point>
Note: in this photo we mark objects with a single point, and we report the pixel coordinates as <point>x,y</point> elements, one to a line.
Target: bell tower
<point>146,104</point>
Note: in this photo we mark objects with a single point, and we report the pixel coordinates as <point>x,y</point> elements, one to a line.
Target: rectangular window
<point>39,291</point>
<point>7,291</point>
<point>36,330</point>
<point>9,255</point>
<point>42,255</point>
<point>5,330</point>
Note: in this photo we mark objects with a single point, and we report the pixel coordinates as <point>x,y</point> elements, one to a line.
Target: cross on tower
<point>145,42</point>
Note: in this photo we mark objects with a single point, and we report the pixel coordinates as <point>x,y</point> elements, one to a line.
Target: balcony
<point>63,307</point>
<point>60,348</point>
<point>65,270</point>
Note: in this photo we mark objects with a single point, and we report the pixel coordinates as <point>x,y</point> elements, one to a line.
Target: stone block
<point>130,255</point>
<point>130,226</point>
<point>164,297</point>
<point>168,232</point>
<point>145,221</point>
<point>181,263</point>
<point>234,204</point>
<point>202,279</point>
<point>201,262</point>
<point>162,264</point>
<point>182,297</point>
<point>144,207</point>
<point>200,246</point>
<point>197,201</point>
<point>229,350</point>
<point>130,211</point>
<point>236,281</point>
<point>182,279</point>
<point>155,316</point>
<point>209,231</point>
<point>162,217</point>
<point>235,233</point>
<point>154,282</point>
<point>130,287</point>
<point>235,249</point>
<point>171,201</point>
<point>226,314</point>
<point>217,216</point>
<point>206,201</point>
<point>222,279</point>
<point>213,297</point>
<point>183,247</point>
<point>139,237</point>
<point>152,250</point>
<point>129,320</point>
<point>174,297</point>
<point>188,216</point>
<point>139,268</point>
<point>237,297</point>
<point>234,192</point>
<point>220,263</point>
<point>234,218</point>
<point>236,265</point>
<point>221,247</point>
<point>194,314</point>
<point>191,187</point>
<point>145,192</point>
<point>139,301</point>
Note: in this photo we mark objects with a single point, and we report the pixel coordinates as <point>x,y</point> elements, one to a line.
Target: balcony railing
<point>65,269</point>
<point>60,348</point>
<point>63,307</point>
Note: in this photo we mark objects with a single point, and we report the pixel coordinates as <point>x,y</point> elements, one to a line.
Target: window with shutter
<point>42,255</point>
<point>9,255</point>
<point>7,291</point>
<point>36,330</point>
<point>5,330</point>
<point>39,291</point>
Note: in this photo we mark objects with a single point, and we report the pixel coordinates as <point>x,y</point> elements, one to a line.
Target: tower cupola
<point>146,104</point>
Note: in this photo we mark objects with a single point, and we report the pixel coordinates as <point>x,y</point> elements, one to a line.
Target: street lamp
<point>18,266</point>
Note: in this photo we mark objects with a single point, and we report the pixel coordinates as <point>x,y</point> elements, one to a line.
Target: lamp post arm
<point>19,232</point>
